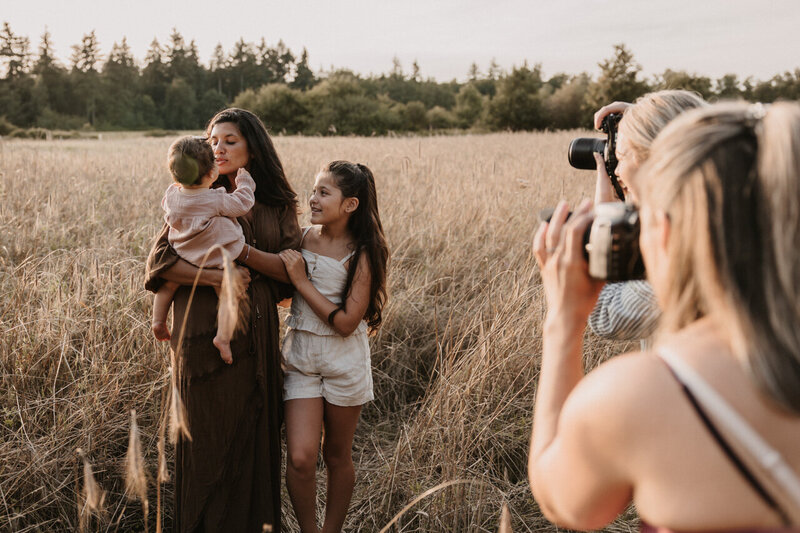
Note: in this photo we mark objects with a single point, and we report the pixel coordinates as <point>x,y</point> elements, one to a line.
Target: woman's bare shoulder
<point>623,392</point>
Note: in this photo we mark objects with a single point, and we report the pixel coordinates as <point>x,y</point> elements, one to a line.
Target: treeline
<point>172,89</point>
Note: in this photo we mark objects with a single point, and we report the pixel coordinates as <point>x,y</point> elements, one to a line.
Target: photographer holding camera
<point>701,432</point>
<point>628,310</point>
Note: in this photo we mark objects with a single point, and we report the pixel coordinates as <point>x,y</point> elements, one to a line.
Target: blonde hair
<point>648,115</point>
<point>728,180</point>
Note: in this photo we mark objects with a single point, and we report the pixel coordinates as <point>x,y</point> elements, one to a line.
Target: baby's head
<point>190,159</point>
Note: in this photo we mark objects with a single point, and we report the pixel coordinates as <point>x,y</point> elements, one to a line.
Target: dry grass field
<point>455,363</point>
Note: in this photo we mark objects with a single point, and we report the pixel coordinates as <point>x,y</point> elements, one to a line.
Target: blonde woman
<point>701,432</point>
<point>628,310</point>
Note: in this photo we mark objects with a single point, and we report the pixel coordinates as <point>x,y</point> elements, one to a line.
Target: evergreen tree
<point>53,91</point>
<point>46,61</point>
<point>495,71</point>
<point>415,75</point>
<point>85,57</point>
<point>182,60</point>
<point>14,52</point>
<point>218,70</point>
<point>120,81</point>
<point>397,69</point>
<point>179,106</point>
<point>473,74</point>
<point>303,77</point>
<point>154,75</point>
<point>243,66</point>
<point>618,81</point>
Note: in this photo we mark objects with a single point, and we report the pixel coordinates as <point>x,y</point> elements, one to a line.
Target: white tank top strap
<point>346,258</point>
<point>769,460</point>
<point>305,232</point>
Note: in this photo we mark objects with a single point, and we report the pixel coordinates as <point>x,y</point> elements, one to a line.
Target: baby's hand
<point>295,265</point>
<point>243,172</point>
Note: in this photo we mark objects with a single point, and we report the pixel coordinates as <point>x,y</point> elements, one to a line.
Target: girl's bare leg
<point>337,451</point>
<point>161,305</point>
<point>303,433</point>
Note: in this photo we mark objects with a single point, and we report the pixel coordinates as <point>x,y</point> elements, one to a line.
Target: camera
<point>581,151</point>
<point>611,242</point>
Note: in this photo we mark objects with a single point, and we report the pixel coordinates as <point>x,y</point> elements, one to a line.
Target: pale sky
<point>711,37</point>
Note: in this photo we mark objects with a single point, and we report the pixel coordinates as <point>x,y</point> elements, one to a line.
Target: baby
<point>199,218</point>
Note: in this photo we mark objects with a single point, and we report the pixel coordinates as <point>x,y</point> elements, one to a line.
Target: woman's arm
<point>570,476</point>
<point>346,320</point>
<point>184,273</point>
<point>264,262</point>
<point>270,264</point>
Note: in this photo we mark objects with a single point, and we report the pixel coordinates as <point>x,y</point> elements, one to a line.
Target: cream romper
<point>317,361</point>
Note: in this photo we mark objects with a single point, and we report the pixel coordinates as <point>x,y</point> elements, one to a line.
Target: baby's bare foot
<point>224,348</point>
<point>160,331</point>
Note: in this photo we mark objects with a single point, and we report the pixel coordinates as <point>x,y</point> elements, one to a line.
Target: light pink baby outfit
<point>200,218</point>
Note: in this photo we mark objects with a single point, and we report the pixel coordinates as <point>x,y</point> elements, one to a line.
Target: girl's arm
<point>346,320</point>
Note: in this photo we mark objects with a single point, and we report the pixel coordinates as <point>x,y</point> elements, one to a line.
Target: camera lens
<point>582,150</point>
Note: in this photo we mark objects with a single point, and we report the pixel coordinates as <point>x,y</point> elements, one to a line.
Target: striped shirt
<point>625,311</point>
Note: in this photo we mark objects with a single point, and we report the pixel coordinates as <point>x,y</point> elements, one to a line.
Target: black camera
<point>611,242</point>
<point>581,151</point>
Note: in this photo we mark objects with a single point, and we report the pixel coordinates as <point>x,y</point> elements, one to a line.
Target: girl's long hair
<point>727,178</point>
<point>272,187</point>
<point>356,181</point>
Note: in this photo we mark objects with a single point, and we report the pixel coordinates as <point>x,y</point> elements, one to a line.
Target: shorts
<point>335,368</point>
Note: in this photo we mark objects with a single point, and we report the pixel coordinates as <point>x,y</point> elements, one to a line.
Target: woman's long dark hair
<point>356,181</point>
<point>272,187</point>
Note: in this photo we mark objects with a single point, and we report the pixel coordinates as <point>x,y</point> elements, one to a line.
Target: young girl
<point>326,354</point>
<point>198,218</point>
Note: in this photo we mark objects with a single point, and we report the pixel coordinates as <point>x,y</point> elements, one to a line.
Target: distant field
<point>455,363</point>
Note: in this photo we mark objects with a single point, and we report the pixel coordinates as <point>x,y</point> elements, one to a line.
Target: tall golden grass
<point>455,362</point>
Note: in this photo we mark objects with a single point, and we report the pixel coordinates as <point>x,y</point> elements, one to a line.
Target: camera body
<point>611,243</point>
<point>581,151</point>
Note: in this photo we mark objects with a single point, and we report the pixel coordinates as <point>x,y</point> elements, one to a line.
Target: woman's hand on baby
<point>295,265</point>
<point>558,247</point>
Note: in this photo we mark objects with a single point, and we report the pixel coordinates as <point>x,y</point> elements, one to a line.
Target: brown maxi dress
<point>227,478</point>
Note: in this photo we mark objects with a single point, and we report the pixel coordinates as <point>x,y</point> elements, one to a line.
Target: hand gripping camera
<point>581,151</point>
<point>611,242</point>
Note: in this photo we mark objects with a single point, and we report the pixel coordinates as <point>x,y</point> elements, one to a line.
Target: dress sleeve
<point>290,239</point>
<point>625,311</point>
<point>162,256</point>
<point>291,236</point>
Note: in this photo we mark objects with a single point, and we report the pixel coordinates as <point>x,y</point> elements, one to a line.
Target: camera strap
<point>759,463</point>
